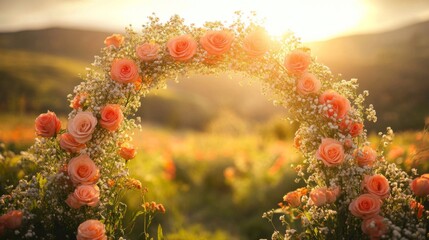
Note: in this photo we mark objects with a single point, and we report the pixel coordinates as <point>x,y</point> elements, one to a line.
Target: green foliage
<point>160,234</point>
<point>197,232</point>
<point>12,168</point>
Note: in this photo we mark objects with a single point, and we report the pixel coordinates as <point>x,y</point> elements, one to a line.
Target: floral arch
<point>350,193</point>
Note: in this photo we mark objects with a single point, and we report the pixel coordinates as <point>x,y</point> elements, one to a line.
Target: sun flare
<point>311,20</point>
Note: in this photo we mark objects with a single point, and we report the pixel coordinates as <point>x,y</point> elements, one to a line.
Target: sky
<point>310,19</point>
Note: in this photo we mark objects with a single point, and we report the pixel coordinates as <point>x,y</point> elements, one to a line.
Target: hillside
<point>392,65</point>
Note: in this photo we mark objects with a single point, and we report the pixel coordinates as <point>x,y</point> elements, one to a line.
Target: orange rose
<point>217,42</point>
<point>308,83</point>
<point>147,51</point>
<point>352,128</point>
<point>365,156</point>
<point>182,48</point>
<point>338,106</point>
<point>91,230</point>
<point>297,141</point>
<point>111,117</point>
<point>115,40</point>
<point>68,143</point>
<point>293,198</point>
<point>355,129</point>
<point>82,170</point>
<point>374,227</point>
<point>82,126</point>
<point>11,220</point>
<point>76,103</point>
<point>318,196</point>
<point>124,71</point>
<point>257,43</point>
<point>377,185</point>
<point>365,206</point>
<point>47,124</point>
<point>127,151</point>
<point>297,61</point>
<point>331,152</point>
<point>84,195</point>
<point>420,186</point>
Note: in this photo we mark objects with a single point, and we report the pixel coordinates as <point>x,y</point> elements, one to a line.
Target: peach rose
<point>82,126</point>
<point>332,194</point>
<point>331,152</point>
<point>147,51</point>
<point>182,48</point>
<point>365,156</point>
<point>114,40</point>
<point>338,105</point>
<point>217,42</point>
<point>91,230</point>
<point>420,186</point>
<point>47,124</point>
<point>377,185</point>
<point>124,71</point>
<point>374,227</point>
<point>365,206</point>
<point>318,196</point>
<point>308,83</point>
<point>82,170</point>
<point>417,206</point>
<point>257,43</point>
<point>12,219</point>
<point>111,117</point>
<point>127,151</point>
<point>84,195</point>
<point>68,143</point>
<point>297,61</point>
<point>293,198</point>
<point>348,143</point>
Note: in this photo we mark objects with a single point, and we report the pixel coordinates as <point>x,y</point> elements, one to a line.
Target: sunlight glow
<point>309,19</point>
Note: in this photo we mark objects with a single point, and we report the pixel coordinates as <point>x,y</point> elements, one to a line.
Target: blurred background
<point>213,149</point>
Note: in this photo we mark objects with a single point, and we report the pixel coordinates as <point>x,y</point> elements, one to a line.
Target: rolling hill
<point>393,66</point>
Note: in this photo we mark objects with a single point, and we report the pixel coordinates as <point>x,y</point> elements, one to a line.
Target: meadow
<point>215,184</point>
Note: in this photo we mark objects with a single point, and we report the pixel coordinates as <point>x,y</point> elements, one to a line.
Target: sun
<point>314,20</point>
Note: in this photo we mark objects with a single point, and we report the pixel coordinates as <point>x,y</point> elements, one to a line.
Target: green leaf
<point>160,235</point>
